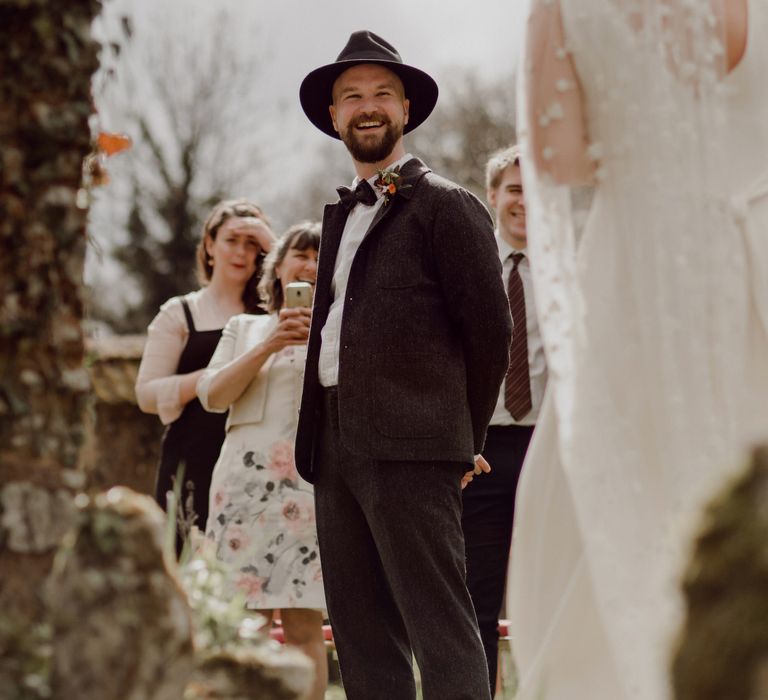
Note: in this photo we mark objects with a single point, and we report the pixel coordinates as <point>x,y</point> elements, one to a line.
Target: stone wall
<point>122,444</point>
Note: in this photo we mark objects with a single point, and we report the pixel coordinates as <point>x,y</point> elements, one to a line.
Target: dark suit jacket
<point>425,331</point>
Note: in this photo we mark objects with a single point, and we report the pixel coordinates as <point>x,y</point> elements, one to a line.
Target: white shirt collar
<point>505,250</point>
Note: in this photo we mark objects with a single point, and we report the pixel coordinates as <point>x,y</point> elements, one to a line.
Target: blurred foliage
<point>47,58</point>
<point>221,620</point>
<point>25,658</point>
<point>235,656</point>
<point>723,648</point>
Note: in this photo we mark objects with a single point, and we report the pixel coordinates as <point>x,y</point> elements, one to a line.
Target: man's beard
<point>370,151</point>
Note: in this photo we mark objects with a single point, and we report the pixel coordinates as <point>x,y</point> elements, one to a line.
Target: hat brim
<point>316,89</point>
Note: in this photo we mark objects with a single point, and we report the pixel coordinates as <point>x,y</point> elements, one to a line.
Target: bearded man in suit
<point>408,347</point>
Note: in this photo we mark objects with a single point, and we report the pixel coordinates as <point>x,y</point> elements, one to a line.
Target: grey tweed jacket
<point>425,331</point>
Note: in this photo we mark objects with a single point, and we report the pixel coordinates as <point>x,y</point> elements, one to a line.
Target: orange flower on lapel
<point>389,183</point>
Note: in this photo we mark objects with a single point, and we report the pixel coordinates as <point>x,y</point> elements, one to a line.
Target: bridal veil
<point>654,313</point>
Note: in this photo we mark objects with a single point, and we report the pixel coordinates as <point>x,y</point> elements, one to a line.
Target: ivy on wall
<point>47,58</point>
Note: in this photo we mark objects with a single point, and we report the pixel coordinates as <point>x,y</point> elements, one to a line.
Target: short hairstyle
<point>301,237</point>
<point>221,212</point>
<point>498,163</point>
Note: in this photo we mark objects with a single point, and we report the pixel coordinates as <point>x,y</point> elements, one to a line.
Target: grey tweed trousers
<point>392,554</point>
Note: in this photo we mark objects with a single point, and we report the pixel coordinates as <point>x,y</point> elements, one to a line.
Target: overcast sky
<point>431,34</point>
<point>434,35</point>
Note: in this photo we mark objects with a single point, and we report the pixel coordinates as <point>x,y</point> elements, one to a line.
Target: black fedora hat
<point>366,47</point>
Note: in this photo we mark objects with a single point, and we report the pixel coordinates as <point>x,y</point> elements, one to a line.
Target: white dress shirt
<point>537,365</point>
<point>358,221</point>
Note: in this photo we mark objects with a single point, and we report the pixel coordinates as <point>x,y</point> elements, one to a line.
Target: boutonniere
<point>388,183</point>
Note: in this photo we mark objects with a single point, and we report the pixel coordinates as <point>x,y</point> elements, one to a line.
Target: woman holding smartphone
<point>262,516</point>
<point>181,339</point>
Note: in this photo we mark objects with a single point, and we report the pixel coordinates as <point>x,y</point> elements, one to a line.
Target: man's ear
<point>332,112</point>
<point>490,195</point>
<point>406,109</point>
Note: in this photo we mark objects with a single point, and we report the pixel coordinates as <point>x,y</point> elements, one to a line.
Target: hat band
<point>368,55</point>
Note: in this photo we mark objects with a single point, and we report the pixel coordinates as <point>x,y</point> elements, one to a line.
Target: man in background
<point>489,501</point>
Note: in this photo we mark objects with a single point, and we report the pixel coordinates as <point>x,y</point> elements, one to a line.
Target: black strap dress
<point>195,437</point>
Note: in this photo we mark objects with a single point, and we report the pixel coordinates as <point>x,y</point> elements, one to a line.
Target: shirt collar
<point>505,250</point>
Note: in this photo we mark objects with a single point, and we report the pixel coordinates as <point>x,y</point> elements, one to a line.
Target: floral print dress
<point>262,513</point>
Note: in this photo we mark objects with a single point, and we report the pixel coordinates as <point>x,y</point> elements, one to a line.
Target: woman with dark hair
<point>262,514</point>
<point>182,338</point>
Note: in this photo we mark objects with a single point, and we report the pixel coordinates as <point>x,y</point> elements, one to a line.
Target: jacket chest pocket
<point>399,261</point>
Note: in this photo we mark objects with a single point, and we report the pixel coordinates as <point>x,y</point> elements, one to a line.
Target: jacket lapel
<point>410,174</point>
<point>334,218</point>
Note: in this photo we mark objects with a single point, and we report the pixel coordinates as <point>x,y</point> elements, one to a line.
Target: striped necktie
<point>517,383</point>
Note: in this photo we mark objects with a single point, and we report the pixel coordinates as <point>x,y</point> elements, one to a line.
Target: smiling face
<point>369,112</point>
<point>508,201</point>
<point>297,266</point>
<point>234,250</point>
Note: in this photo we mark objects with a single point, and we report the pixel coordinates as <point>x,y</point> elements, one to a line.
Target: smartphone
<point>298,294</point>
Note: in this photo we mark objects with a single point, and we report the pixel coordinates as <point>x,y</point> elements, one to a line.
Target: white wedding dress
<point>655,321</point>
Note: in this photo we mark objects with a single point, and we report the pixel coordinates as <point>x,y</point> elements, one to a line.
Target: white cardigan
<point>241,333</point>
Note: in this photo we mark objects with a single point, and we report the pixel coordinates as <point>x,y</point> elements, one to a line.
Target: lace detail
<point>749,209</point>
<point>658,363</point>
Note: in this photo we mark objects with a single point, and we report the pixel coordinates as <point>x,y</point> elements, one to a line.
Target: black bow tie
<point>362,193</point>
